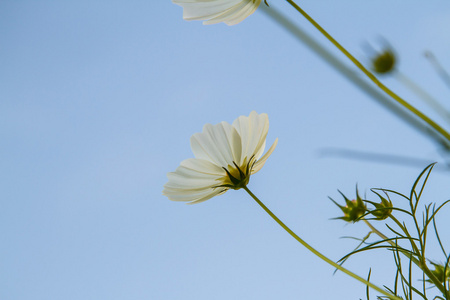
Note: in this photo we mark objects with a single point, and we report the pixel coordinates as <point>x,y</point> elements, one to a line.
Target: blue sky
<point>98,102</point>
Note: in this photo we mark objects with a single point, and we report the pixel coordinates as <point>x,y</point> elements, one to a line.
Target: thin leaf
<point>427,170</point>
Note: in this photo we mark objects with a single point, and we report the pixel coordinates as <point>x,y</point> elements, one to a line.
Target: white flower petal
<point>253,131</point>
<point>194,174</point>
<point>260,163</point>
<point>181,181</point>
<point>189,173</point>
<point>204,195</point>
<point>204,148</point>
<point>218,135</point>
<point>216,144</point>
<point>187,195</point>
<point>215,193</point>
<point>259,153</point>
<point>244,13</point>
<point>204,9</point>
<point>215,11</point>
<point>203,166</point>
<point>234,141</point>
<point>235,14</point>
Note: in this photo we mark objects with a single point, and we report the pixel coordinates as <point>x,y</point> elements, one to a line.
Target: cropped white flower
<point>225,157</point>
<point>231,12</point>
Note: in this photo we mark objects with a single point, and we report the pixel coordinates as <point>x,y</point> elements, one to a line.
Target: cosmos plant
<point>227,155</point>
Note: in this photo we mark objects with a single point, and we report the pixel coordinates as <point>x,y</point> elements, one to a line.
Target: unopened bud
<point>384,62</point>
<point>383,209</point>
<point>353,209</point>
<point>440,272</point>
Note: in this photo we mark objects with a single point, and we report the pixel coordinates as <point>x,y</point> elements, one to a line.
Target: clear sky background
<point>98,100</point>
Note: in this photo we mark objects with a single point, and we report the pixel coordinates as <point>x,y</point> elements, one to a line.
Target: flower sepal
<point>383,209</point>
<point>441,272</point>
<point>353,209</point>
<point>236,177</point>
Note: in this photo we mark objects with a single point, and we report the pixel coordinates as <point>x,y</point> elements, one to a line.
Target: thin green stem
<point>381,235</point>
<point>424,95</point>
<point>372,77</point>
<point>374,230</point>
<point>317,253</point>
<point>422,261</point>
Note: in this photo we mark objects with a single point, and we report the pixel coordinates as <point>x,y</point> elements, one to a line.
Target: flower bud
<point>353,209</point>
<point>383,209</point>
<point>384,62</point>
<point>440,272</point>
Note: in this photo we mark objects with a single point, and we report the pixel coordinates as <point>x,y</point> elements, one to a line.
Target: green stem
<point>424,95</point>
<point>372,77</point>
<point>422,262</point>
<point>317,253</point>
<point>421,253</point>
<point>381,235</point>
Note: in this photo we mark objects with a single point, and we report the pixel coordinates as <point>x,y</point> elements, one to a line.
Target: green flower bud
<point>383,209</point>
<point>353,209</point>
<point>384,62</point>
<point>440,272</point>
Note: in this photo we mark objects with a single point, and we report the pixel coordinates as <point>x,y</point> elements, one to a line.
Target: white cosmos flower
<point>225,157</point>
<point>230,12</point>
